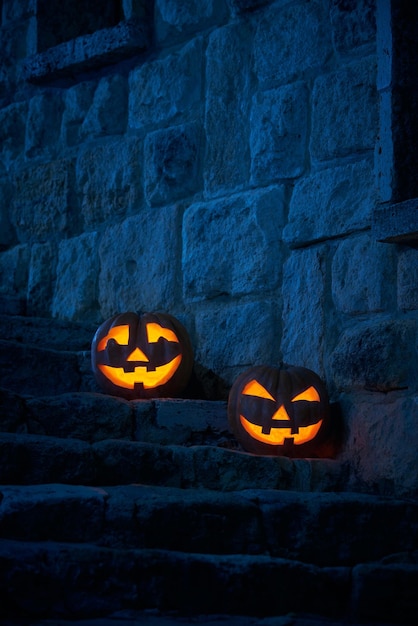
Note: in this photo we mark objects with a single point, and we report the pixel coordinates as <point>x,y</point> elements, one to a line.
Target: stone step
<point>36,459</point>
<point>324,529</point>
<point>48,579</point>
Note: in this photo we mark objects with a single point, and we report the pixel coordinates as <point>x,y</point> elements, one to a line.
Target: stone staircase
<point>147,512</point>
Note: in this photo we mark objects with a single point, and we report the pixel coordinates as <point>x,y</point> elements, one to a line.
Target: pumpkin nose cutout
<point>281,414</point>
<point>138,355</point>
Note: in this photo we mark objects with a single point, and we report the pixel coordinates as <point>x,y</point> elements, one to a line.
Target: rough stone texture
<point>14,264</point>
<point>304,331</point>
<point>227,108</point>
<point>379,356</point>
<point>138,263</point>
<point>291,42</point>
<point>344,111</point>
<point>354,24</point>
<point>7,234</point>
<point>39,291</point>
<point>279,125</point>
<point>253,330</point>
<point>43,207</point>
<point>77,103</point>
<point>396,223</point>
<point>164,90</point>
<point>108,112</point>
<point>230,246</point>
<point>174,20</point>
<point>331,202</point>
<point>44,125</point>
<point>75,294</point>
<point>408,280</point>
<point>171,163</point>
<point>362,271</point>
<point>12,132</point>
<point>106,195</point>
<point>381,440</point>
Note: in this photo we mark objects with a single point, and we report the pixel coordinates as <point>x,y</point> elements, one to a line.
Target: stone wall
<point>219,165</point>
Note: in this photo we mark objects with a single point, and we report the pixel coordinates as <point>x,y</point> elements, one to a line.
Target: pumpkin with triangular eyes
<point>280,411</point>
<point>146,355</point>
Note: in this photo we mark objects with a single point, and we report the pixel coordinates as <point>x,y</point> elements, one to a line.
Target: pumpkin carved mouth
<point>149,377</point>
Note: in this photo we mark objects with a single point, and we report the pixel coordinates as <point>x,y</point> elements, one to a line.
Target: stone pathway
<point>147,512</point>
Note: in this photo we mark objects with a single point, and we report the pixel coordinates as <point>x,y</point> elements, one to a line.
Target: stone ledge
<point>87,52</point>
<point>396,223</point>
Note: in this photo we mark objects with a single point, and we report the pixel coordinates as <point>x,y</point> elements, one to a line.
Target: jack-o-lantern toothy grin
<point>278,411</point>
<point>142,356</point>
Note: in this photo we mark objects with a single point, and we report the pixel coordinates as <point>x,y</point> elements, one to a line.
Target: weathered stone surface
<point>230,246</point>
<point>40,286</point>
<point>396,223</point>
<point>164,90</point>
<point>291,41</point>
<point>108,112</point>
<point>7,234</point>
<point>279,125</point>
<point>52,512</point>
<point>44,201</point>
<point>36,371</point>
<point>345,111</point>
<point>408,280</point>
<point>354,24</point>
<point>106,193</point>
<point>381,441</point>
<point>241,6</point>
<point>14,264</point>
<point>76,290</point>
<point>250,336</point>
<point>363,276</point>
<point>137,260</point>
<point>380,356</point>
<point>172,163</point>
<point>174,20</point>
<point>304,296</point>
<point>12,132</point>
<point>86,416</point>
<point>77,103</point>
<point>107,579</point>
<point>331,202</point>
<point>33,459</point>
<point>12,412</point>
<point>227,108</point>
<point>43,125</point>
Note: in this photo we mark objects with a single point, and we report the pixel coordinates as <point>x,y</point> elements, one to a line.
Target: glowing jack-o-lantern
<point>145,355</point>
<point>280,411</point>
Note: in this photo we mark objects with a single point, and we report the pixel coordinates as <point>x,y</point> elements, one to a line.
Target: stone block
<point>86,416</point>
<point>75,293</point>
<point>44,125</point>
<point>172,163</point>
<point>7,234</point>
<point>14,10</point>
<point>44,203</point>
<point>175,21</point>
<point>380,356</point>
<point>345,111</point>
<point>242,6</point>
<point>228,62</point>
<point>279,126</point>
<point>12,132</point>
<point>42,269</point>
<point>230,339</point>
<point>165,90</point>
<point>291,41</point>
<point>108,112</point>
<point>14,267</point>
<point>77,102</point>
<point>408,280</point>
<point>363,276</point>
<point>396,223</point>
<point>108,178</point>
<point>304,292</point>
<point>138,270</point>
<point>332,202</point>
<point>353,24</point>
<point>231,246</point>
<point>381,440</point>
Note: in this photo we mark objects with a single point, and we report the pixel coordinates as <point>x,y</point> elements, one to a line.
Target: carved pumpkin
<point>280,411</point>
<point>145,355</point>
